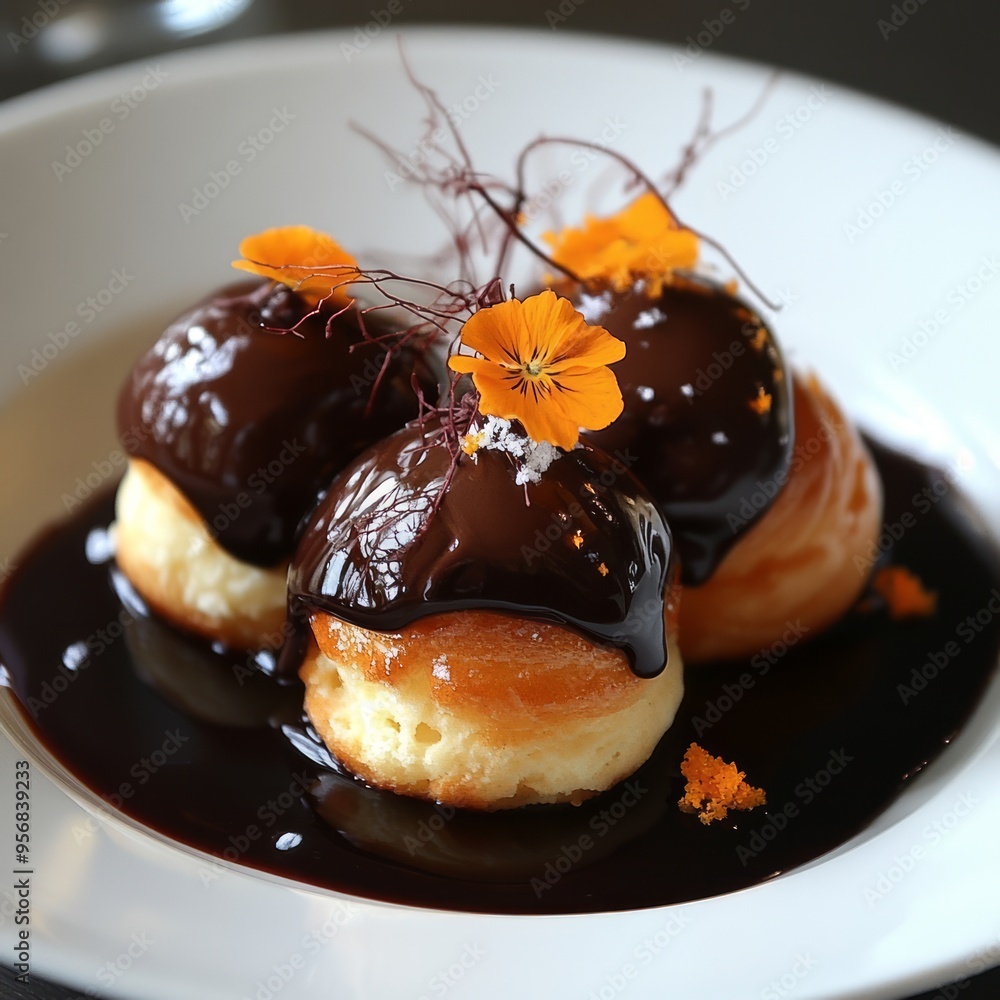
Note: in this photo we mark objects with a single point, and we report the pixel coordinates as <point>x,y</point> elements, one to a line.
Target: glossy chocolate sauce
<point>697,362</point>
<point>584,547</point>
<point>211,750</point>
<point>251,425</point>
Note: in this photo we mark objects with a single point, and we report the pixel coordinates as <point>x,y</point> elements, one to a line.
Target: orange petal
<point>543,326</point>
<point>645,218</point>
<point>498,333</point>
<point>643,241</point>
<point>567,335</point>
<point>588,398</point>
<point>541,420</point>
<point>462,363</point>
<point>293,255</point>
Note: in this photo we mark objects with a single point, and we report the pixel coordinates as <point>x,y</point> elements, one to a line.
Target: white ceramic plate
<point>779,194</point>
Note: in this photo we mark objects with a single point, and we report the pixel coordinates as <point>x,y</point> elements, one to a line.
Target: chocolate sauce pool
<point>211,750</point>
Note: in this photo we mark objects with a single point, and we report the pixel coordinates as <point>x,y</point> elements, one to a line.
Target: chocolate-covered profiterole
<point>249,424</point>
<point>584,547</point>
<point>840,690</point>
<point>707,414</point>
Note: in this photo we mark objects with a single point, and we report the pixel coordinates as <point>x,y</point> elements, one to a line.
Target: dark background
<point>942,61</point>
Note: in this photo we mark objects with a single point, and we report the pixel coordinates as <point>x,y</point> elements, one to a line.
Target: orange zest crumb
<point>904,593</point>
<point>759,341</point>
<point>761,403</point>
<point>472,442</point>
<point>714,787</point>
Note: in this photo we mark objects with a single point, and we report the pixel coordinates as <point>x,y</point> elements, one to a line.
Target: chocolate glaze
<point>251,425</point>
<point>697,356</point>
<point>247,780</point>
<point>584,547</point>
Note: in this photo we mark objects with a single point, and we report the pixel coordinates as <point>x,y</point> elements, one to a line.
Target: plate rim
<point>195,66</point>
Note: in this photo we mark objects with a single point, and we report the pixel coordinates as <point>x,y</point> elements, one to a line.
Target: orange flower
<point>643,241</point>
<point>312,263</point>
<point>543,365</point>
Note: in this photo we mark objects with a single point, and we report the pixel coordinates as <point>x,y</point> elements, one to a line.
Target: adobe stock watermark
<point>257,483</point>
<point>365,34</point>
<point>428,829</point>
<point>32,24</point>
<point>767,489</point>
<point>938,660</point>
<point>109,973</point>
<point>892,532</point>
<point>76,659</point>
<point>886,198</point>
<point>930,837</point>
<point>103,469</point>
<point>446,979</point>
<point>977,964</point>
<point>374,366</point>
<point>898,16</point>
<point>788,982</point>
<point>600,825</point>
<point>778,819</point>
<point>269,645</point>
<point>761,661</point>
<point>957,299</point>
<point>265,820</point>
<point>580,160</point>
<point>86,828</point>
<point>56,341</point>
<point>247,152</point>
<point>786,128</point>
<point>704,378</point>
<point>643,954</point>
<point>555,532</point>
<point>562,13</point>
<point>142,771</point>
<point>712,28</point>
<point>120,109</point>
<point>457,113</point>
<point>314,941</point>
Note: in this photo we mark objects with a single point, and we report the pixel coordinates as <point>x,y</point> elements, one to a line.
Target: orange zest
<point>761,403</point>
<point>904,593</point>
<point>641,242</point>
<point>312,263</point>
<point>714,787</point>
<point>542,364</point>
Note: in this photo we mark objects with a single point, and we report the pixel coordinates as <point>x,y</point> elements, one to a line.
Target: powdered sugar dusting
<point>649,318</point>
<point>533,457</point>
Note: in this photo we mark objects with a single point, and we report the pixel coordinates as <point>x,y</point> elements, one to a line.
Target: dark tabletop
<point>934,56</point>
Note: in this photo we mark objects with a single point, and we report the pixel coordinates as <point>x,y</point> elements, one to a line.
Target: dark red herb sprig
<point>438,319</point>
<point>450,181</point>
